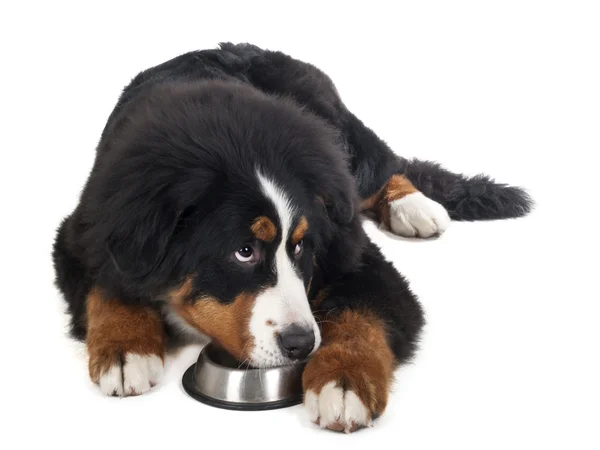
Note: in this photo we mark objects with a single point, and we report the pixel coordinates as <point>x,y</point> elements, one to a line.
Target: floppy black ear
<point>140,237</point>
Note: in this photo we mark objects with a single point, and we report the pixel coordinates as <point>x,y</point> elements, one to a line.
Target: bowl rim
<point>189,383</point>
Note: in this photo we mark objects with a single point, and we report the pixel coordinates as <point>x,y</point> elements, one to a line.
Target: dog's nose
<point>296,342</point>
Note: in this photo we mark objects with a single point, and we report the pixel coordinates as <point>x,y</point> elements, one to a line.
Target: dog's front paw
<point>337,408</point>
<point>124,373</point>
<point>415,215</point>
<point>345,390</point>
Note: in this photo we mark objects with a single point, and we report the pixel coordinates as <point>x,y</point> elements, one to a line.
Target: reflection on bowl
<point>217,379</point>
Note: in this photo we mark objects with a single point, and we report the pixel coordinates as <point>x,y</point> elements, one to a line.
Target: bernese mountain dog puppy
<point>225,201</point>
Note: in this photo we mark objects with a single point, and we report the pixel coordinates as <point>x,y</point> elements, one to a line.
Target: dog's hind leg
<point>418,198</point>
<point>386,192</point>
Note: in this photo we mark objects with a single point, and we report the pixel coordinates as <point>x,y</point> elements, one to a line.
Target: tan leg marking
<point>397,187</point>
<point>347,381</point>
<point>405,211</point>
<point>118,332</point>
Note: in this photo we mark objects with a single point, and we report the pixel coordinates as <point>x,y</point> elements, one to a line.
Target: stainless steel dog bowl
<point>219,380</point>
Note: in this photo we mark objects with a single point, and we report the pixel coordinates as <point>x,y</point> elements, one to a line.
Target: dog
<point>225,201</point>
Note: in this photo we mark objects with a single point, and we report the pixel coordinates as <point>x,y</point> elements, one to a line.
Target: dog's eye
<point>247,254</point>
<point>298,248</point>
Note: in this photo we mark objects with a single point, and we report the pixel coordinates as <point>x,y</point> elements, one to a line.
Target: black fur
<point>173,190</point>
<point>475,198</point>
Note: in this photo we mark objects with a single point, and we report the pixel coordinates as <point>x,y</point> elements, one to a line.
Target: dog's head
<point>216,199</point>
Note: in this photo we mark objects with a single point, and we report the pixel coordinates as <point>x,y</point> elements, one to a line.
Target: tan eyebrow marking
<point>300,230</point>
<point>264,229</point>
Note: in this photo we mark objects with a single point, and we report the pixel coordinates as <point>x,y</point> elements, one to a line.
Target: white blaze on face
<point>285,303</point>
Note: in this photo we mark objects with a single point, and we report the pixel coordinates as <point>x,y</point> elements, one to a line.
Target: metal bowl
<point>219,380</point>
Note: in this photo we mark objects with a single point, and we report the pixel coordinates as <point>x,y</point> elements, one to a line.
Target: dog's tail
<point>475,198</point>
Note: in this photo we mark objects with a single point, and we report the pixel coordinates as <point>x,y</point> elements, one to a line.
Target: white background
<point>510,355</point>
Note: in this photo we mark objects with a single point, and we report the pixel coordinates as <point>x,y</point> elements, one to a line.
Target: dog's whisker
<point>327,315</point>
<point>243,350</point>
<point>260,372</point>
<point>326,321</point>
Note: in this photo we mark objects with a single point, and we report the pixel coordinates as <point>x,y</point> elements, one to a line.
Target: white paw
<point>416,215</point>
<point>136,376</point>
<point>336,409</point>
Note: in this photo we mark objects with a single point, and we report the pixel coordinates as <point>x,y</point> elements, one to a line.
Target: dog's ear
<point>142,217</point>
<point>140,237</point>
